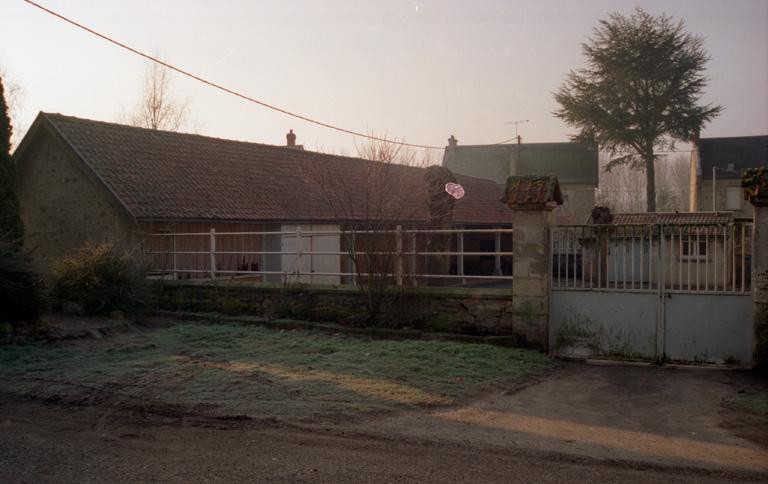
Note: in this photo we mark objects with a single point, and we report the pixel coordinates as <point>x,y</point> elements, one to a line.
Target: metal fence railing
<point>402,256</point>
<point>683,258</point>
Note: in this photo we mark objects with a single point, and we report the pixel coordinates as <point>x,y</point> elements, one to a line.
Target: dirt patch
<point>747,425</point>
<point>745,411</point>
<point>45,443</point>
<point>650,414</point>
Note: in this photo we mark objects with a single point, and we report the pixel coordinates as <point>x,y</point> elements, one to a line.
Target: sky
<point>414,70</point>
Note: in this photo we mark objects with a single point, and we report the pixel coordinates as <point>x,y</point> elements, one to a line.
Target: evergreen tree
<point>639,91</point>
<point>11,226</point>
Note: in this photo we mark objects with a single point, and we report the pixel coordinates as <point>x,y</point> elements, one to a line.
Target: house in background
<point>89,181</point>
<point>701,251</point>
<point>716,165</point>
<point>575,165</point>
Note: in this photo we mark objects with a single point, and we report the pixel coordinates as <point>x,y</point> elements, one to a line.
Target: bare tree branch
<point>157,108</point>
<point>14,98</point>
<point>370,205</point>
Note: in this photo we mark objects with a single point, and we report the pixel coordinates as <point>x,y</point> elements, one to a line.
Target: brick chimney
<point>452,142</point>
<point>290,139</point>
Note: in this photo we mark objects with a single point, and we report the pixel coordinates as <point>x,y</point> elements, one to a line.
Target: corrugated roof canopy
<point>172,176</point>
<point>674,218</point>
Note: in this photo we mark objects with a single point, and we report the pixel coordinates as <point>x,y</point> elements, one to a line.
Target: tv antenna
<point>517,123</point>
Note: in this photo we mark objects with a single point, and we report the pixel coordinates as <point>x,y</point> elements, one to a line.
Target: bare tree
<point>14,97</point>
<point>380,148</point>
<point>371,204</point>
<point>623,190</point>
<point>157,108</point>
<point>672,175</point>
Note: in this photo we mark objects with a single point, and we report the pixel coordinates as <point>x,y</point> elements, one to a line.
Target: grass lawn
<point>250,370</point>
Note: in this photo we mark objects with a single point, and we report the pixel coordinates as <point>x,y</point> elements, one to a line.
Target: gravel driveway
<point>643,414</point>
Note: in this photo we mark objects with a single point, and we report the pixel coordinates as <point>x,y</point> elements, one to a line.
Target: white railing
<point>406,256</point>
<point>679,258</point>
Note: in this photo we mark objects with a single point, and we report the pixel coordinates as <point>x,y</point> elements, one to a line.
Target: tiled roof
<point>533,191</point>
<point>736,153</point>
<point>173,176</point>
<point>674,218</point>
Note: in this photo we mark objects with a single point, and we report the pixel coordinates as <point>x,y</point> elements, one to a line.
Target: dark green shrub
<point>99,279</point>
<point>21,291</point>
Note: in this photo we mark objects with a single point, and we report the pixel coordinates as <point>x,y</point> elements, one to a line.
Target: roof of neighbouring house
<point>742,152</point>
<point>673,218</point>
<point>166,175</point>
<point>572,163</point>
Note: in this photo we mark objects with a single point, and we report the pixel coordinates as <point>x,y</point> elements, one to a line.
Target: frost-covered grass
<point>264,372</point>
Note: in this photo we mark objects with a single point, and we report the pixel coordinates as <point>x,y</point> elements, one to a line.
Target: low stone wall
<point>458,311</point>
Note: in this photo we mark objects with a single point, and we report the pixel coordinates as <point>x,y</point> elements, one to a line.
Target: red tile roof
<point>173,176</point>
<point>533,191</point>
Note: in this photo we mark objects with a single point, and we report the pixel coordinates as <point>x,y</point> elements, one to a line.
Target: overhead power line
<point>219,86</point>
<point>285,111</point>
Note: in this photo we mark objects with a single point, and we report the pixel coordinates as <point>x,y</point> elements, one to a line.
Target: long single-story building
<point>85,181</point>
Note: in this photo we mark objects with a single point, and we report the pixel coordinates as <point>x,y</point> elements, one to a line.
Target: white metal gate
<point>652,291</point>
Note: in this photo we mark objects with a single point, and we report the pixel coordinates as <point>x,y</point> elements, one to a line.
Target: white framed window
<point>693,250</point>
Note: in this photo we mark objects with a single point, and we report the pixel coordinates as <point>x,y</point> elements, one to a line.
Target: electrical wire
<point>285,111</point>
<point>223,88</point>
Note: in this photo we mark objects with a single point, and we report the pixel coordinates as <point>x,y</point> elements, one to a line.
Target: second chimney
<point>290,139</point>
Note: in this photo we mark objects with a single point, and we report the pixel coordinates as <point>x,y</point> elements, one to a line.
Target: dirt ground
<point>643,414</point>
<point>581,423</point>
<point>50,443</point>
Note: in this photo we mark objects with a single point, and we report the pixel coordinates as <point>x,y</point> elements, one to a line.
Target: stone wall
<point>63,206</point>
<point>484,312</point>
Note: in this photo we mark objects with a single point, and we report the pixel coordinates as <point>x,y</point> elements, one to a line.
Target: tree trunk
<point>650,182</point>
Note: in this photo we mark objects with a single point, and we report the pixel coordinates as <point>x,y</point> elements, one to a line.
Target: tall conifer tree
<point>10,220</point>
<point>640,90</point>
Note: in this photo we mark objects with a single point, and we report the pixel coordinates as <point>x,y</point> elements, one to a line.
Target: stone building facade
<point>63,205</point>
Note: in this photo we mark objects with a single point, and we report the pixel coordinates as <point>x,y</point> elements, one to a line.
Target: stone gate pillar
<point>754,181</point>
<point>532,199</point>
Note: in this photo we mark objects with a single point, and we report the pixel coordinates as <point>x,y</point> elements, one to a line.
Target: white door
<point>302,268</point>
